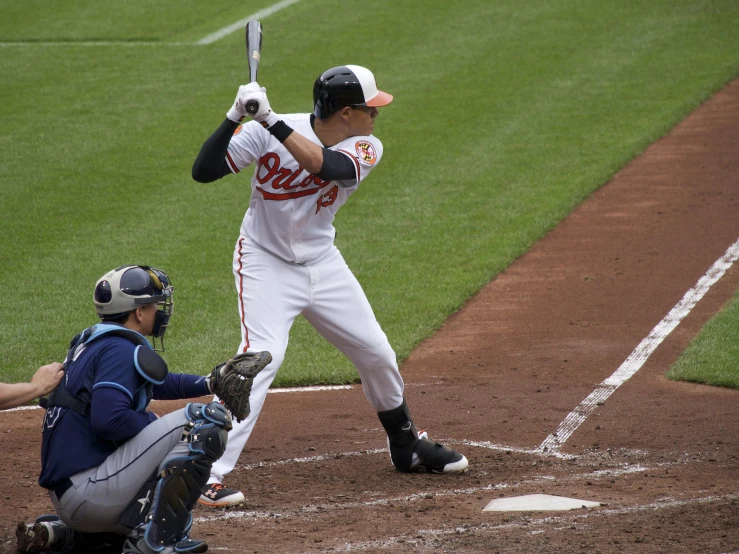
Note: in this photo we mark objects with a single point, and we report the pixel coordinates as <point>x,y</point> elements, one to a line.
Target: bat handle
<point>252,107</point>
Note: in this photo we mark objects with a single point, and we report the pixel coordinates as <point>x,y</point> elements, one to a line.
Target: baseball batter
<point>285,261</point>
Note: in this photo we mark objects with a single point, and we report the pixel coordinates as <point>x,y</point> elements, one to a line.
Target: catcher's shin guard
<point>183,479</point>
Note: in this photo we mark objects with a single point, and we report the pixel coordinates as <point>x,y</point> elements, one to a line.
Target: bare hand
<point>47,377</point>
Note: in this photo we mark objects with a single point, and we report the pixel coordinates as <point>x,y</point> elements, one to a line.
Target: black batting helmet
<point>346,85</point>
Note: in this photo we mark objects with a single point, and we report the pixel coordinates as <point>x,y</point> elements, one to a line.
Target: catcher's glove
<point>232,380</point>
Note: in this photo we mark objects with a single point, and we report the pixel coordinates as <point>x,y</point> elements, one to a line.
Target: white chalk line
<point>531,525</point>
<point>339,455</point>
<point>209,39</point>
<point>507,448</point>
<point>325,457</point>
<point>311,459</point>
<point>87,43</point>
<point>310,389</point>
<point>372,451</point>
<point>239,25</point>
<point>20,409</point>
<point>641,354</point>
<point>317,388</point>
<point>338,504</point>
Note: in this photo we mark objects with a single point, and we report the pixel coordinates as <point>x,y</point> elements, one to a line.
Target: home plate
<point>537,502</point>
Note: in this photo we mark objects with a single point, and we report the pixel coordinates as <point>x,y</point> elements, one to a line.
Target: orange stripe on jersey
<point>355,160</point>
<point>231,163</point>
<point>241,294</point>
<point>290,195</point>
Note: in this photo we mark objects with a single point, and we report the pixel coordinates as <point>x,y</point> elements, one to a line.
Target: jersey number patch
<point>327,199</point>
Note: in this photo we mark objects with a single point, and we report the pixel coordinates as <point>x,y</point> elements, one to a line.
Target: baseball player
<point>44,381</point>
<point>111,466</point>
<point>285,262</point>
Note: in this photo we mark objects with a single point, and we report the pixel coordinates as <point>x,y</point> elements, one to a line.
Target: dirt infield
<point>499,378</point>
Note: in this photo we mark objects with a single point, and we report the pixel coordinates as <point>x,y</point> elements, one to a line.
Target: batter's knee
<point>378,357</point>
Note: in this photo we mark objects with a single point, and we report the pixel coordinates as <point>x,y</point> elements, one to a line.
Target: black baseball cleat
<point>216,496</point>
<point>46,534</point>
<point>136,543</point>
<point>413,451</point>
<point>436,458</point>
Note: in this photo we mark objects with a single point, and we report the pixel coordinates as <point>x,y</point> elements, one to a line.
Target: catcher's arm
<point>232,381</point>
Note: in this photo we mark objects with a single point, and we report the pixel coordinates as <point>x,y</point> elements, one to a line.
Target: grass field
<point>713,356</point>
<point>506,116</point>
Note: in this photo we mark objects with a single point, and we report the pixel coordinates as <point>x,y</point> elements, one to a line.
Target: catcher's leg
<point>182,480</point>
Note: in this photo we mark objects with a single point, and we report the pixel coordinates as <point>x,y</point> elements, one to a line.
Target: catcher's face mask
<point>161,283</point>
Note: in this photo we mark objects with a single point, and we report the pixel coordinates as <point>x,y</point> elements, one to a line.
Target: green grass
<point>506,116</point>
<point>712,357</point>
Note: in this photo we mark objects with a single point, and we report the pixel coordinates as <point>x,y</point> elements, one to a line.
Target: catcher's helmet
<point>125,288</point>
<point>346,85</point>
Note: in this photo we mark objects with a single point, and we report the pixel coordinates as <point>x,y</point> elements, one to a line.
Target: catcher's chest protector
<point>150,365</point>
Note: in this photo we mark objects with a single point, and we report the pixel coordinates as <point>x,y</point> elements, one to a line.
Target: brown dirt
<point>499,377</point>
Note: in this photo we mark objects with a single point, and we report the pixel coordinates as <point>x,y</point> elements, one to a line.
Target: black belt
<point>61,487</point>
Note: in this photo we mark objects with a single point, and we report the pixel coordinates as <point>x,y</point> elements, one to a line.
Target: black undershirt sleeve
<point>210,165</point>
<point>337,167</point>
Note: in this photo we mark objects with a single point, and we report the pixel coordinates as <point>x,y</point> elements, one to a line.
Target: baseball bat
<point>253,54</point>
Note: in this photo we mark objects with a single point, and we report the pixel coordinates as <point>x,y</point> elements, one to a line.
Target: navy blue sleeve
<point>112,418</point>
<point>181,385</point>
<point>115,398</point>
<point>115,367</point>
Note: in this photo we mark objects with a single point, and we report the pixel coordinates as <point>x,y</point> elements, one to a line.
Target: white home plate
<point>537,502</point>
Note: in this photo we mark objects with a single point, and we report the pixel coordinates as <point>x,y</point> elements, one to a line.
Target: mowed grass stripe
<point>36,20</point>
<point>496,132</point>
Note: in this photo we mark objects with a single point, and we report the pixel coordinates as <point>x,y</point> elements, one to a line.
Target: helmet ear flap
<point>322,107</point>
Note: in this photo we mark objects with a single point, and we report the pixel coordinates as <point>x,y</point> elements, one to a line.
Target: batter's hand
<point>249,93</point>
<point>47,377</point>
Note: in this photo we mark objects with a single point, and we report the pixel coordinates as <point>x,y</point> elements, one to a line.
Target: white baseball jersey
<point>291,212</point>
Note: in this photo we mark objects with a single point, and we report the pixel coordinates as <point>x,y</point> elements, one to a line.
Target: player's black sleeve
<point>210,165</point>
<point>337,167</point>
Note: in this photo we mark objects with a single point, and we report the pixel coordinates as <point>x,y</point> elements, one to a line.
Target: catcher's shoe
<point>137,544</point>
<point>216,495</point>
<point>435,458</point>
<point>47,534</point>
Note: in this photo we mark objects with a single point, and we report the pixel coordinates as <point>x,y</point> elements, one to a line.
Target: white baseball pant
<point>272,293</point>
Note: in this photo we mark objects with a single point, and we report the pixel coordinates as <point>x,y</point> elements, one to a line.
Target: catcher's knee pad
<point>402,435</point>
<point>207,429</point>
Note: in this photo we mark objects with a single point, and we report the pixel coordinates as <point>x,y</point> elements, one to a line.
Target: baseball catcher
<point>113,468</point>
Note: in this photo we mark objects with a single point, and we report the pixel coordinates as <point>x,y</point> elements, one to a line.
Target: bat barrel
<point>253,47</point>
<point>253,55</point>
